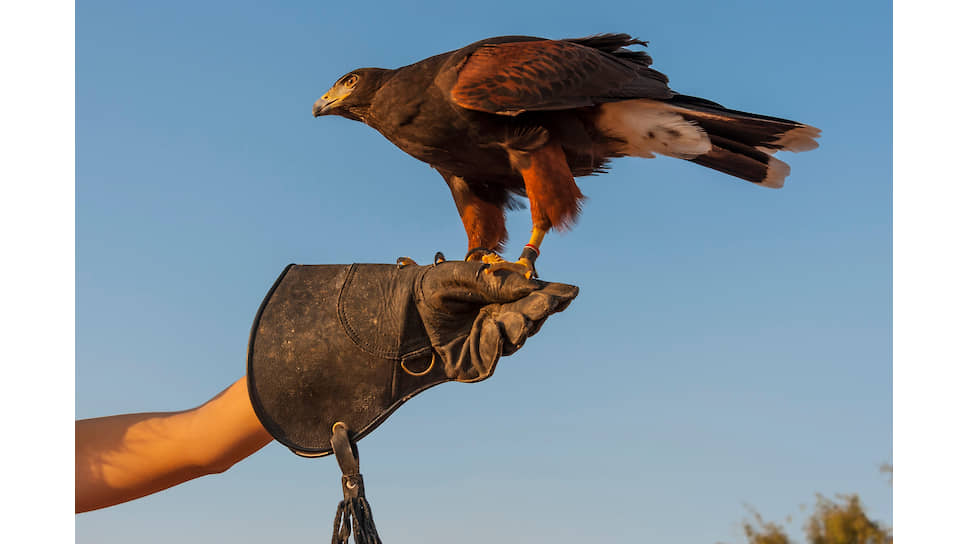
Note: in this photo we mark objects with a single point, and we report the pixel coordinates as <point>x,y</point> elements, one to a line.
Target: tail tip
<point>776,173</point>
<point>799,139</point>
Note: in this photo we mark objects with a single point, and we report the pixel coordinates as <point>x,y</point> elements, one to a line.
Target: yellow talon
<point>522,266</point>
<point>492,258</point>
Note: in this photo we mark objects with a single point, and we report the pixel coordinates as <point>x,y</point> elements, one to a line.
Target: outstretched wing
<point>510,78</point>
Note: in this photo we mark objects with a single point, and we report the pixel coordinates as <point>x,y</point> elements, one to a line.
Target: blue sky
<point>731,345</point>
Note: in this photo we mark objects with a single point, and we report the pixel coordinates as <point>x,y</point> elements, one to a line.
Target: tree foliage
<point>841,521</point>
<point>764,532</point>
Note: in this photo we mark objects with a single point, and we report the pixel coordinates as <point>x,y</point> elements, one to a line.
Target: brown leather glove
<point>352,343</point>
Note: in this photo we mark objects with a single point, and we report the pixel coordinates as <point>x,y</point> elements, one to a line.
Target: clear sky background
<point>731,345</point>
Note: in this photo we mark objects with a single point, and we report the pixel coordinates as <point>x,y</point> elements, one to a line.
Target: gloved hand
<point>351,343</point>
<point>472,317</point>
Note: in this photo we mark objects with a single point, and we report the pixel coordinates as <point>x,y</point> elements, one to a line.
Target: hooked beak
<point>323,106</point>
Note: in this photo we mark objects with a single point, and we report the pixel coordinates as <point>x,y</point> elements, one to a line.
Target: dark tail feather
<point>744,162</point>
<point>769,134</point>
<point>743,142</point>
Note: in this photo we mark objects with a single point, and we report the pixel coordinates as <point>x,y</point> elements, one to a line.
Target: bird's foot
<point>522,266</point>
<point>407,261</point>
<point>495,262</point>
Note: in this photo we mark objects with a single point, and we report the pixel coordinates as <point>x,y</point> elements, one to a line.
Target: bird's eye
<point>351,81</point>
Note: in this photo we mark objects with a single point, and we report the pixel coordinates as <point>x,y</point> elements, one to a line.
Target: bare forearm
<point>120,458</point>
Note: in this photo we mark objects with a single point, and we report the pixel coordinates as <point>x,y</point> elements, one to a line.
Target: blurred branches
<point>833,521</point>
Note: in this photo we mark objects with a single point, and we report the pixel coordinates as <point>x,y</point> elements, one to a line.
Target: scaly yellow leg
<point>537,236</point>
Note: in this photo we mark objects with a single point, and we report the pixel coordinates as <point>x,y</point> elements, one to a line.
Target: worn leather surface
<point>334,342</point>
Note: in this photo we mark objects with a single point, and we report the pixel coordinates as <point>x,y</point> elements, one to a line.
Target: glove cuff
<point>334,343</point>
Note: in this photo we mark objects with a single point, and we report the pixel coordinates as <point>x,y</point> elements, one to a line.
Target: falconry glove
<point>351,343</point>
<point>335,349</point>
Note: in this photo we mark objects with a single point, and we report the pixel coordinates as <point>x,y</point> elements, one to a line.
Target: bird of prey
<point>524,116</point>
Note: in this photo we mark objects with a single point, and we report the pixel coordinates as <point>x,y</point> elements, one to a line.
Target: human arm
<point>124,457</point>
<point>468,318</point>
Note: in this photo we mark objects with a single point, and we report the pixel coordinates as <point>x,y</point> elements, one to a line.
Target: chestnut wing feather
<point>511,78</point>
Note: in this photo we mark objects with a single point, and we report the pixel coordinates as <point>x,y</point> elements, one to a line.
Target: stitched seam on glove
<point>389,353</point>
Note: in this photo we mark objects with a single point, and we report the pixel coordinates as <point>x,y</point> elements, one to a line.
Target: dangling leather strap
<point>354,505</point>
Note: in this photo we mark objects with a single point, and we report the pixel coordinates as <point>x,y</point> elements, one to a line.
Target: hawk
<point>524,116</point>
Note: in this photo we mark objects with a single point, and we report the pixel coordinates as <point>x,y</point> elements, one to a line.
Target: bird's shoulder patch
<point>547,75</point>
<point>511,78</point>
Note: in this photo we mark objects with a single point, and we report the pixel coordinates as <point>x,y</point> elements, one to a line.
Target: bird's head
<point>351,95</point>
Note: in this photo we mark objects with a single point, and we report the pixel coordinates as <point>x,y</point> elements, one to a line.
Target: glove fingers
<point>514,308</point>
<point>515,328</point>
<point>473,357</point>
<point>537,326</point>
<point>505,286</point>
<point>562,292</point>
<point>489,347</point>
<point>468,282</point>
<point>552,298</point>
<point>523,318</point>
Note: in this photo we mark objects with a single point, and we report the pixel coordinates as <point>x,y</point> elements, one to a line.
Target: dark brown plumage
<point>518,115</point>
